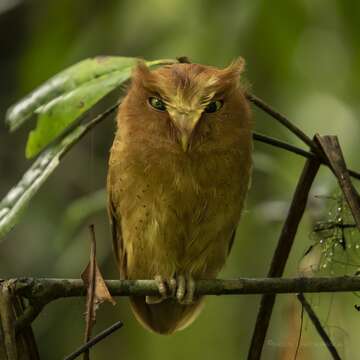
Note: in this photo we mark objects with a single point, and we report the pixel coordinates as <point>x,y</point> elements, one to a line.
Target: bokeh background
<point>303,57</point>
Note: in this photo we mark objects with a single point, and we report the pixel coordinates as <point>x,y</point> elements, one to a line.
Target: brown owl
<point>179,171</point>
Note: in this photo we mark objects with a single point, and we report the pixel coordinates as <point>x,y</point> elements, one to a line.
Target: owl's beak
<point>185,123</point>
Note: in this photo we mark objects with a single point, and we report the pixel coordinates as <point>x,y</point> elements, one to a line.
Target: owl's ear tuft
<point>143,77</point>
<point>233,71</point>
<point>237,65</point>
<point>141,71</point>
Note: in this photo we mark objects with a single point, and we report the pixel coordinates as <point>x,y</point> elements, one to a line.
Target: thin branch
<point>316,152</point>
<point>300,332</point>
<point>102,335</point>
<point>281,254</point>
<point>283,120</point>
<point>283,145</point>
<point>321,331</point>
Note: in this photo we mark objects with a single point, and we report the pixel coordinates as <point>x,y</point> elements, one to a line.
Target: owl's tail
<point>165,317</point>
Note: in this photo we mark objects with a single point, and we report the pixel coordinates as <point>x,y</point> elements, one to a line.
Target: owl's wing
<point>118,244</point>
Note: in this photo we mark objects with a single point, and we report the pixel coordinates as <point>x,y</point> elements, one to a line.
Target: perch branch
<point>44,291</point>
<point>49,289</point>
<point>281,254</point>
<point>319,328</point>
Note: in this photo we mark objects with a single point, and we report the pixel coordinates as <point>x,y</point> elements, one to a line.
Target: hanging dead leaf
<point>101,292</point>
<point>97,291</point>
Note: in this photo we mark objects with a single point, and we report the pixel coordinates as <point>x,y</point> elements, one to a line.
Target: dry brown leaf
<point>97,291</point>
<point>101,292</point>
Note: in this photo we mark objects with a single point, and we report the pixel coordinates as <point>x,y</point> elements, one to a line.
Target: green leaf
<point>15,202</point>
<point>59,113</point>
<point>66,96</point>
<point>65,81</point>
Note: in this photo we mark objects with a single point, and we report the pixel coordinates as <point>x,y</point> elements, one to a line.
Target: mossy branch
<point>45,290</point>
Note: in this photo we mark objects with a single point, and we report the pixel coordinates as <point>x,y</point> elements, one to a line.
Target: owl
<point>179,171</point>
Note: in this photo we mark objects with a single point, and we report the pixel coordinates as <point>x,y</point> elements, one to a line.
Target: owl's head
<point>188,105</point>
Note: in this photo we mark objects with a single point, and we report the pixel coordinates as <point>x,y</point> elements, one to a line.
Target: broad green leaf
<point>66,96</point>
<point>59,113</point>
<point>15,202</point>
<point>66,81</point>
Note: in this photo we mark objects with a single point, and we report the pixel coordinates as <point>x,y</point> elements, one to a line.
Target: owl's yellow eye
<point>214,106</point>
<point>157,103</point>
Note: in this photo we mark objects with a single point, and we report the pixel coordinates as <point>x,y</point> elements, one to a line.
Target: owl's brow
<point>205,99</point>
<point>219,95</point>
<point>155,91</point>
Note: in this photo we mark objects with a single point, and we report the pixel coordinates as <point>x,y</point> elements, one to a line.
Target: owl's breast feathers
<point>173,211</point>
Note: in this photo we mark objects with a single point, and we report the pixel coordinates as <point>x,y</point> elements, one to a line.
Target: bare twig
<point>283,120</point>
<point>321,331</point>
<point>183,60</point>
<point>332,151</point>
<point>300,333</point>
<point>283,145</point>
<point>296,150</point>
<point>281,254</point>
<point>95,340</point>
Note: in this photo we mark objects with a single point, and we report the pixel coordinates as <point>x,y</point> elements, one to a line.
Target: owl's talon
<point>172,287</point>
<point>180,291</point>
<point>185,289</point>
<point>163,292</point>
<point>190,290</point>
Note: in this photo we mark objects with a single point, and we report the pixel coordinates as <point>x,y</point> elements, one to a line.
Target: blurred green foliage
<point>302,56</point>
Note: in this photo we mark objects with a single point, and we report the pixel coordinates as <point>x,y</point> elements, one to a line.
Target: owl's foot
<point>167,289</point>
<point>185,289</point>
<point>182,289</point>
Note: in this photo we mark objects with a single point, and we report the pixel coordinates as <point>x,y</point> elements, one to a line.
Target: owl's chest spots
<point>180,195</point>
<point>177,212</point>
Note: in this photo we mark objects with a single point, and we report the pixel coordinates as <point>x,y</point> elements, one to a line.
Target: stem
<point>319,328</point>
<point>281,254</point>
